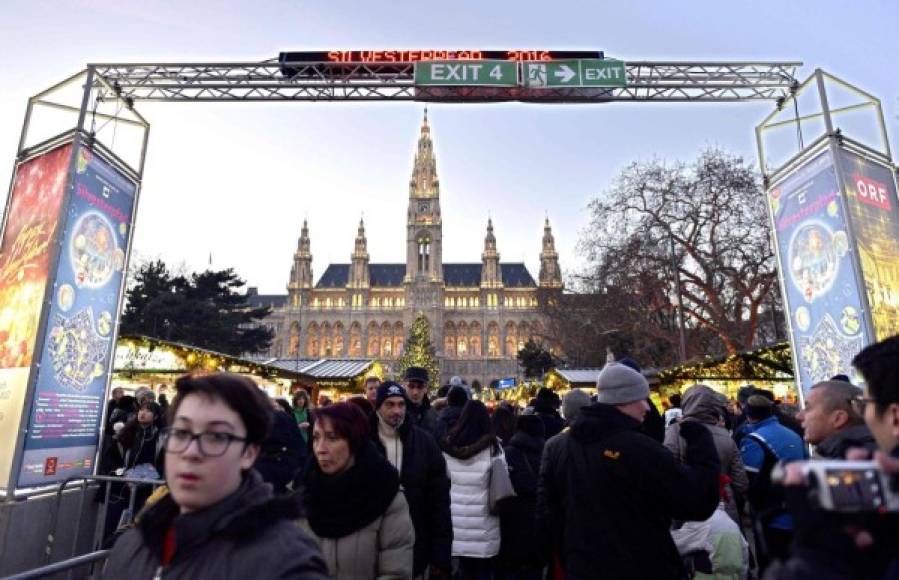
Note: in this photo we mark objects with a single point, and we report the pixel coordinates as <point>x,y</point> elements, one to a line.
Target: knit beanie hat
<point>389,389</point>
<point>531,424</point>
<point>573,402</point>
<point>457,397</point>
<point>619,384</point>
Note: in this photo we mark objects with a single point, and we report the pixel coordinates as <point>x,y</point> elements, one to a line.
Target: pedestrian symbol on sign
<point>537,75</point>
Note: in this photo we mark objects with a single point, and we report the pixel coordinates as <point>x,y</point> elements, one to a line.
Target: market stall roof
<point>338,368</point>
<point>321,368</point>
<point>769,363</point>
<point>134,354</point>
<point>580,376</point>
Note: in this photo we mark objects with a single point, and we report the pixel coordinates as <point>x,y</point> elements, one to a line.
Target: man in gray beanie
<point>606,479</point>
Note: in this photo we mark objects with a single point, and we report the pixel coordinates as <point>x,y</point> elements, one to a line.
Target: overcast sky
<point>236,180</point>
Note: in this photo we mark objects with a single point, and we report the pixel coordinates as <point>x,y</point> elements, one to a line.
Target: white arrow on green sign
<point>574,73</point>
<point>450,73</point>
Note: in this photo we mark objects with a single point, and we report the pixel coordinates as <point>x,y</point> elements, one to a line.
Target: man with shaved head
<point>831,421</point>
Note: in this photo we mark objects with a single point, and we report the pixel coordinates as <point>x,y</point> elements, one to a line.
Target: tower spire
<point>301,272</point>
<point>359,270</point>
<point>550,273</point>
<point>490,271</point>
<point>424,182</point>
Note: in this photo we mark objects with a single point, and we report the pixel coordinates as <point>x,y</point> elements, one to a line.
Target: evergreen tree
<point>419,352</point>
<point>535,359</point>
<point>204,310</point>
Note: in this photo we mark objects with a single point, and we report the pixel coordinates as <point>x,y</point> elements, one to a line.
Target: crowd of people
<point>395,484</point>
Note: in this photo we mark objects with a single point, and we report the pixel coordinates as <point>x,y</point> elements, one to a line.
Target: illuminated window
<point>424,253</point>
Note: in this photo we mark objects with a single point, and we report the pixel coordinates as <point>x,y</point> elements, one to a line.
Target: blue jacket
<point>786,444</point>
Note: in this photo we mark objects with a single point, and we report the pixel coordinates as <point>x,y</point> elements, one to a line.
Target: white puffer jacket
<point>475,532</point>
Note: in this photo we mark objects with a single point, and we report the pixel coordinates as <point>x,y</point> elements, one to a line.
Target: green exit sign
<point>475,73</point>
<point>575,73</point>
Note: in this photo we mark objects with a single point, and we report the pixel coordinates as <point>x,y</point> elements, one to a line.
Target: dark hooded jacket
<point>609,494</point>
<point>547,410</point>
<point>249,534</point>
<point>283,453</point>
<point>704,405</point>
<point>836,446</point>
<point>423,415</point>
<point>426,485</point>
<point>520,548</point>
<point>447,418</point>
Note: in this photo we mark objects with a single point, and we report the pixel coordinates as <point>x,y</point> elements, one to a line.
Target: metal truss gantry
<point>328,81</point>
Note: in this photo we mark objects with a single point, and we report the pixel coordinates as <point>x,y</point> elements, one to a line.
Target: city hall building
<point>480,313</point>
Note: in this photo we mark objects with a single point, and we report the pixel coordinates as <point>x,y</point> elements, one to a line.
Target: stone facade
<point>480,313</point>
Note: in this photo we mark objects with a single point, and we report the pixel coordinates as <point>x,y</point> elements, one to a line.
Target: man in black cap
<point>420,411</point>
<point>422,468</point>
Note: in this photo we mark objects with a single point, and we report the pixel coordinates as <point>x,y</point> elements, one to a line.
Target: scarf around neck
<point>338,505</point>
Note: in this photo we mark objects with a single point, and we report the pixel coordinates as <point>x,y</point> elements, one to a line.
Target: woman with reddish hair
<point>354,506</point>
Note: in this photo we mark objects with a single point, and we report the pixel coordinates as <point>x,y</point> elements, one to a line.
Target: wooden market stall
<point>769,367</point>
<point>141,361</point>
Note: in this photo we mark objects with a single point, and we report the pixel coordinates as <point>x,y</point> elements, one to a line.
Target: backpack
<point>764,496</point>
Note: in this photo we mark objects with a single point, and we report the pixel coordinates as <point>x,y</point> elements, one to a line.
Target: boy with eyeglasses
<point>219,519</point>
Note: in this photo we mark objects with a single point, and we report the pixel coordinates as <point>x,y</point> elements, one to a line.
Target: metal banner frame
<point>124,84</point>
<point>833,142</point>
<point>94,92</point>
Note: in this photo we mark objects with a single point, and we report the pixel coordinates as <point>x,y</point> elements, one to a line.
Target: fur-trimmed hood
<point>466,451</point>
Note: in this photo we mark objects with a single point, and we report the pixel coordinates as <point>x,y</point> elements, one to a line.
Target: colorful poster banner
<point>25,252</point>
<point>76,355</point>
<point>874,212</point>
<point>815,262</point>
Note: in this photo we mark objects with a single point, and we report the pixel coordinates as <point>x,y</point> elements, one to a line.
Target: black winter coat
<point>608,494</point>
<point>249,534</point>
<point>423,416</point>
<point>520,547</point>
<point>426,484</point>
<point>283,453</point>
<point>553,423</point>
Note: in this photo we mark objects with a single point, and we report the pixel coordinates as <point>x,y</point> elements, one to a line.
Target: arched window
<point>355,340</point>
<point>511,340</point>
<point>449,339</point>
<point>493,340</point>
<point>337,343</point>
<point>398,338</point>
<point>293,347</point>
<point>474,341</point>
<point>424,253</point>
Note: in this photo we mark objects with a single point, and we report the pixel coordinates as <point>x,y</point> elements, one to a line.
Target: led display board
<point>406,56</point>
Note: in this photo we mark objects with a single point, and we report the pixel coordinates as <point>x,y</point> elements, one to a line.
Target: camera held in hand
<point>847,486</point>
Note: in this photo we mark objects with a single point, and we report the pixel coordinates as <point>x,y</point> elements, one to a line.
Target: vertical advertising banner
<point>25,252</point>
<point>874,214</point>
<point>815,260</point>
<point>75,357</point>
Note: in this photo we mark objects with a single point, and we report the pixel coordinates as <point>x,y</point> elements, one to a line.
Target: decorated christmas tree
<point>419,352</point>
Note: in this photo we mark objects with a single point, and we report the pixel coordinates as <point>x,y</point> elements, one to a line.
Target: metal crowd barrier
<point>63,566</point>
<point>100,525</point>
